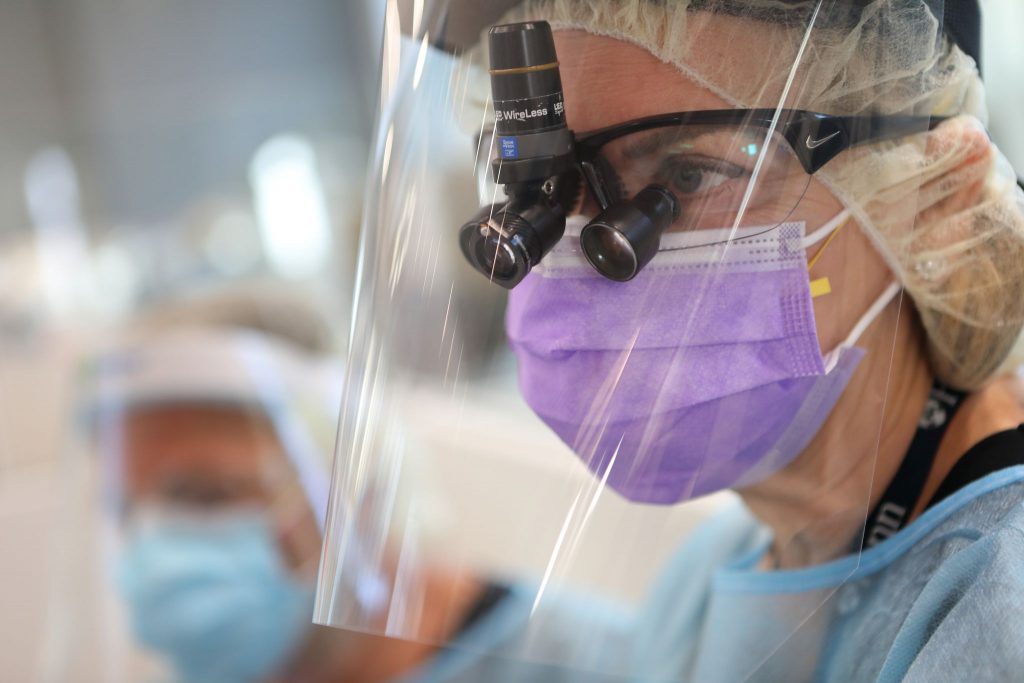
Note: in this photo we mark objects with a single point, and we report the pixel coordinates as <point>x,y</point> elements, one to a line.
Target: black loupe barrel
<point>532,140</point>
<point>625,236</point>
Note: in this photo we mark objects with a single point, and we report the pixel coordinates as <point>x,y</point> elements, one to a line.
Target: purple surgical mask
<point>702,373</point>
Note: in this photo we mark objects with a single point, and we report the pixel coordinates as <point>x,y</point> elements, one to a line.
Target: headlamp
<point>504,242</point>
<point>536,163</point>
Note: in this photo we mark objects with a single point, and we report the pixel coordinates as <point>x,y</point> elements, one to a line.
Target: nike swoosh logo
<point>815,144</point>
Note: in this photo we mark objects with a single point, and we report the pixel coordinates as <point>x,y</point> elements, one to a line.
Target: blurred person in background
<point>214,424</point>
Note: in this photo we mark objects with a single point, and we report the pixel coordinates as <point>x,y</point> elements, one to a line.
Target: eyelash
<point>703,164</point>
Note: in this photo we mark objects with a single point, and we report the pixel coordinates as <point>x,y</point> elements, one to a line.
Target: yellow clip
<point>820,287</point>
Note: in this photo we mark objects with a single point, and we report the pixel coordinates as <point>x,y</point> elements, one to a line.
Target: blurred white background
<point>1003,66</point>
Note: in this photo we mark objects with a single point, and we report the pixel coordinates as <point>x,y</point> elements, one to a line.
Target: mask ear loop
<point>822,286</point>
<point>875,310</point>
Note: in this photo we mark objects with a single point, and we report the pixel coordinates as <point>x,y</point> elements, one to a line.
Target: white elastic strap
<point>876,309</point>
<point>826,230</point>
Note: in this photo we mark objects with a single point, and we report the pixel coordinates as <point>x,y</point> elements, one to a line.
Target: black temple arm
<point>818,138</point>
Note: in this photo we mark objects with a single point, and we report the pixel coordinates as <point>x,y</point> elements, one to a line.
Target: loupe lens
<point>497,255</point>
<point>625,236</point>
<point>609,252</point>
<point>505,243</point>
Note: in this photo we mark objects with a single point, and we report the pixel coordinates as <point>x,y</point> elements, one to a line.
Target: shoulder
<point>981,541</point>
<point>968,616</point>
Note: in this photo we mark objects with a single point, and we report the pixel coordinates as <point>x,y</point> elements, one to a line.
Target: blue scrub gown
<point>941,600</point>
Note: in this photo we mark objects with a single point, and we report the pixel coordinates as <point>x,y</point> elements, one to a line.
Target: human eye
<point>694,174</point>
<point>202,491</point>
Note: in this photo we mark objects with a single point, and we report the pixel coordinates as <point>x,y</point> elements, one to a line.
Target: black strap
<point>492,594</point>
<point>994,453</point>
<point>901,496</point>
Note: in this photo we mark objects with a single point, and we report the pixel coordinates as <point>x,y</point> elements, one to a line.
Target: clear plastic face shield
<point>674,201</point>
<point>209,452</point>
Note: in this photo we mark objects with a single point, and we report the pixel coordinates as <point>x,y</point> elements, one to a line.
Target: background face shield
<point>534,466</point>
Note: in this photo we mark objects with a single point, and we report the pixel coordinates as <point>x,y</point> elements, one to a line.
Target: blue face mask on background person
<point>214,596</point>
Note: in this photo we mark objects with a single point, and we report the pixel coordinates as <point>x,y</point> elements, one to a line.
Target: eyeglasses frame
<point>815,138</point>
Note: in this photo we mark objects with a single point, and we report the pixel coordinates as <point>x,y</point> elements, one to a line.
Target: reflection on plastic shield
<point>484,463</point>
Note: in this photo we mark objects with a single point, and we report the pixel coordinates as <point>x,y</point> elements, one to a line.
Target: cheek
<point>298,534</point>
<point>816,207</point>
<point>856,273</point>
<point>299,541</point>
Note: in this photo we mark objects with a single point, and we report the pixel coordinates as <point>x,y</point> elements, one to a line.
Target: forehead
<point>607,81</point>
<point>153,441</point>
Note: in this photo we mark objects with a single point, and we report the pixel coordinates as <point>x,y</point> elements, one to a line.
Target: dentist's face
<point>608,81</point>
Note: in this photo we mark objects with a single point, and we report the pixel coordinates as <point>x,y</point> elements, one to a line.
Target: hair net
<point>963,261</point>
